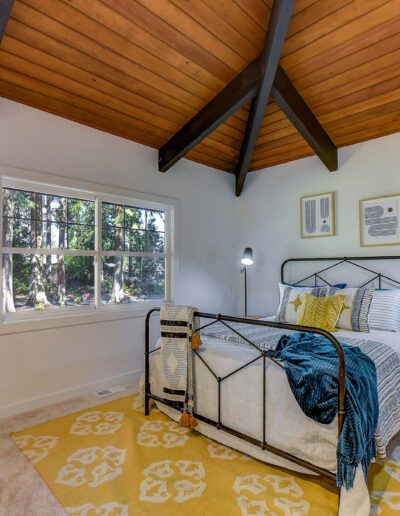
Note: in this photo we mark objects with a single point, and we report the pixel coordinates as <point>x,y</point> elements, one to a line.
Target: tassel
<point>192,421</point>
<point>184,419</point>
<point>196,341</point>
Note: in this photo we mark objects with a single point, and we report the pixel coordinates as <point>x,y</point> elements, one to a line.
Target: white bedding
<point>287,427</point>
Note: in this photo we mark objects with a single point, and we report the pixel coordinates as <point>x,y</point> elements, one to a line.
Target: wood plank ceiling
<point>140,69</point>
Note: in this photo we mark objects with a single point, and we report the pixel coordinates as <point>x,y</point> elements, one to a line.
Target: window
<point>70,250</point>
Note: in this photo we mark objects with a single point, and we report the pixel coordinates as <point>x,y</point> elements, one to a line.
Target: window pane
<point>156,220</point>
<point>112,214</point>
<point>155,242</point>
<point>47,221</point>
<point>128,279</point>
<point>21,203</point>
<point>37,282</point>
<point>135,218</point>
<point>135,240</point>
<point>80,237</point>
<point>81,212</point>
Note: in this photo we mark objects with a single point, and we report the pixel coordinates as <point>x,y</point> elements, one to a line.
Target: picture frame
<point>380,220</point>
<point>317,215</point>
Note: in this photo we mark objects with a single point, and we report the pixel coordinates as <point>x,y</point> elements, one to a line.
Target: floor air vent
<point>111,390</point>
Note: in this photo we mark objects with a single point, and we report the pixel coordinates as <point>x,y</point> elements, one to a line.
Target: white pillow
<point>385,310</point>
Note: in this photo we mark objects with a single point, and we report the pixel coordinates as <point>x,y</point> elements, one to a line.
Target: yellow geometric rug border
<point>112,460</point>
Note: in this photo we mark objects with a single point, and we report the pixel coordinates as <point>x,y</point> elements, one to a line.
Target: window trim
<point>44,183</point>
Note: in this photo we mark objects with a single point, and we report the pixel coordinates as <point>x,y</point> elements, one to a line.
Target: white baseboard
<point>128,379</point>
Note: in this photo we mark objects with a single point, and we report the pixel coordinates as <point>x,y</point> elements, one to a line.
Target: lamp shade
<point>247,258</point>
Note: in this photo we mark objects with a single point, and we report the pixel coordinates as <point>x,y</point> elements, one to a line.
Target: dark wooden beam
<point>5,13</point>
<point>276,34</point>
<point>241,89</point>
<point>292,104</point>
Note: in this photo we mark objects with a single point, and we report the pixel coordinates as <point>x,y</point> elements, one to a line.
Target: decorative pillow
<point>321,312</point>
<point>292,298</point>
<point>385,310</point>
<point>356,307</point>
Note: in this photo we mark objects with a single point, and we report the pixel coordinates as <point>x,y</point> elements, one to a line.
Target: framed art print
<point>317,215</point>
<point>379,221</point>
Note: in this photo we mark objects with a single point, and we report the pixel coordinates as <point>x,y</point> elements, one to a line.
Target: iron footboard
<point>263,356</point>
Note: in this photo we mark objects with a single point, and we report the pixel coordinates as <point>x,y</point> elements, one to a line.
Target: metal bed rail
<point>264,357</point>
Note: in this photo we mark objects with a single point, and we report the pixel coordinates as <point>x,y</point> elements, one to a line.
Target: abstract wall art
<point>379,221</point>
<point>317,215</point>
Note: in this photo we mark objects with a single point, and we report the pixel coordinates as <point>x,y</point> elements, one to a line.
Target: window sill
<point>91,316</point>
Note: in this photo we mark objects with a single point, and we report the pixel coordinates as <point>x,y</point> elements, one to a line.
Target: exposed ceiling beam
<point>241,89</point>
<point>5,13</point>
<point>292,104</point>
<point>276,34</point>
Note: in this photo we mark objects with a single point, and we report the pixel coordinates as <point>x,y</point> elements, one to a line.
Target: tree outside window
<point>51,245</point>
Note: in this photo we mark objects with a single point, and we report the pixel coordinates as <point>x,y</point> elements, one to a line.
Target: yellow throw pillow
<point>321,312</point>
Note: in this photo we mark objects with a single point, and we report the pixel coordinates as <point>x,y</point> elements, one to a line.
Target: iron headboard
<point>351,260</point>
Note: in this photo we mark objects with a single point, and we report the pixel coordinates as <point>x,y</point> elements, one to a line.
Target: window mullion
<point>98,248</point>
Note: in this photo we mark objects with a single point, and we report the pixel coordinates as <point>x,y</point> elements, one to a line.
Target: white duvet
<point>287,427</point>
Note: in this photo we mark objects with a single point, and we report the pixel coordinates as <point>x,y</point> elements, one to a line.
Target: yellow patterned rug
<point>111,460</point>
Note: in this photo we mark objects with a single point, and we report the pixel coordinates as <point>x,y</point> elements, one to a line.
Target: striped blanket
<point>386,360</point>
<point>177,326</point>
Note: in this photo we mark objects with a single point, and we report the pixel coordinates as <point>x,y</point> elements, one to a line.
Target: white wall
<point>213,227</point>
<point>47,365</point>
<point>268,212</point>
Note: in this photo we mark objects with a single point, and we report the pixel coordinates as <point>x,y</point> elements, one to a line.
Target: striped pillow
<point>385,310</point>
<point>356,307</point>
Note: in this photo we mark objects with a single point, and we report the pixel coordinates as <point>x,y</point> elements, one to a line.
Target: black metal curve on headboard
<point>338,261</point>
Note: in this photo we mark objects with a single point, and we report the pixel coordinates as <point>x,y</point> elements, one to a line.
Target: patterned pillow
<point>321,312</point>
<point>385,310</point>
<point>355,310</point>
<point>292,298</point>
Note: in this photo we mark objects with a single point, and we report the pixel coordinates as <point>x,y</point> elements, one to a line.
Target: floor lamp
<point>247,259</point>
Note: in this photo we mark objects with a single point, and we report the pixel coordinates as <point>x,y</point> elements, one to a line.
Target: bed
<point>264,419</point>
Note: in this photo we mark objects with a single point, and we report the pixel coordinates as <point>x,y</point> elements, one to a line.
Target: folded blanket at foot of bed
<point>311,365</point>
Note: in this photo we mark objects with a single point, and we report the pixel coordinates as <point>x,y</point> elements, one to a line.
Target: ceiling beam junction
<point>254,82</point>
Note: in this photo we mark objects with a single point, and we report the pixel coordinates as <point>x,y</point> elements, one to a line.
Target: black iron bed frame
<point>263,356</point>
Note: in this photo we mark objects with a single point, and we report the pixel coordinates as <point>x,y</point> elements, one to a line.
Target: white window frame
<point>134,200</point>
